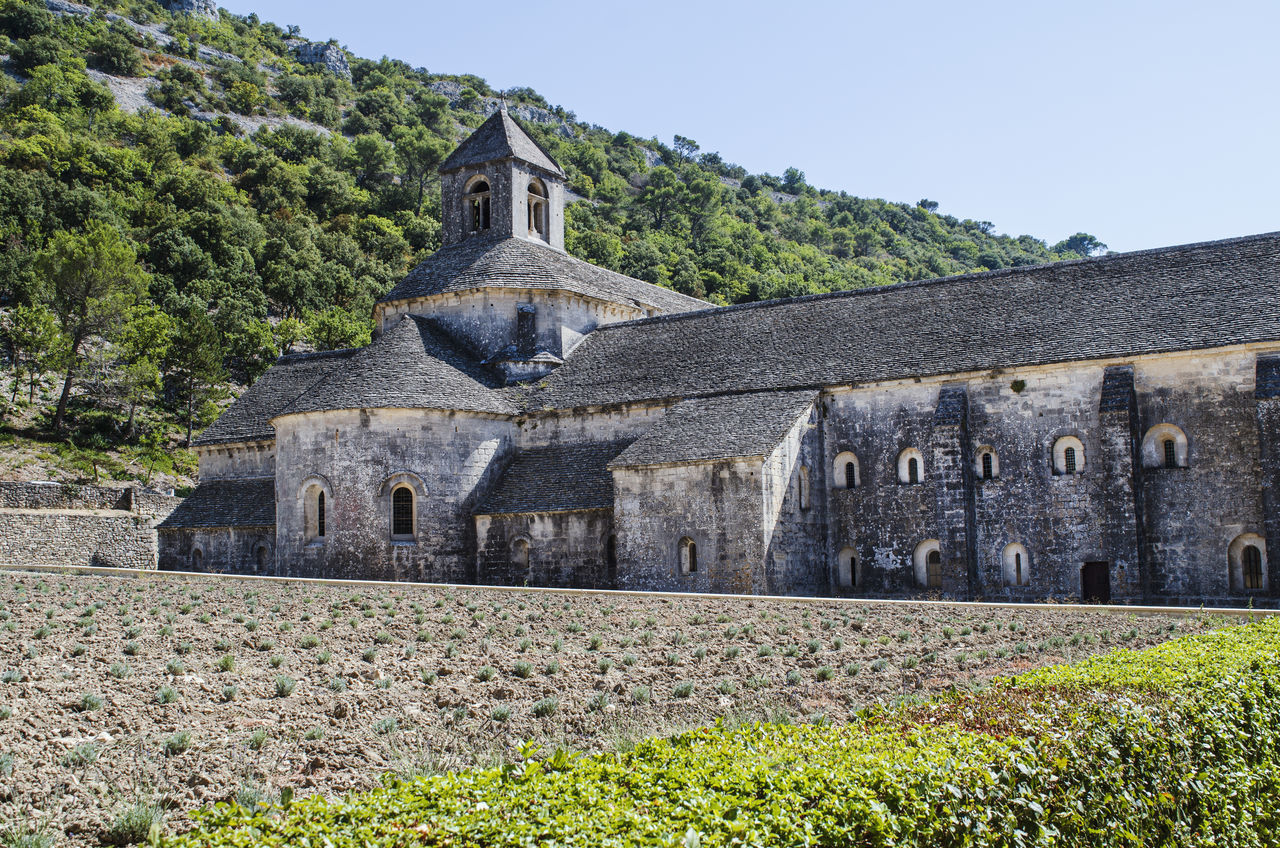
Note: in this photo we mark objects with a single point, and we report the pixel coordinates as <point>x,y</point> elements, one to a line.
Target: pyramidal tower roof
<point>500,137</point>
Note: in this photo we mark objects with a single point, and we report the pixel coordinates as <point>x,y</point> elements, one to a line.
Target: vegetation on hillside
<point>1171,746</point>
<point>154,260</point>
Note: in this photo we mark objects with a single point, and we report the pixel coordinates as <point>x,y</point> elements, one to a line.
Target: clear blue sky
<point>1143,123</point>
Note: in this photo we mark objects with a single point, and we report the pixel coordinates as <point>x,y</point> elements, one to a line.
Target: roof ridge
<point>997,273</point>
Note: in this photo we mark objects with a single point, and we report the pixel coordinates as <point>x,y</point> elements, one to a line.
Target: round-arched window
<point>910,466</point>
<point>402,512</point>
<point>1068,456</point>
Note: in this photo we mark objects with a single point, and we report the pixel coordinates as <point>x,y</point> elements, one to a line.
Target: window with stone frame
<point>402,513</point>
<point>477,206</point>
<point>688,550</point>
<point>538,209</point>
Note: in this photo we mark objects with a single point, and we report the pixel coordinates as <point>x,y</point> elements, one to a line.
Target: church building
<point>1100,429</point>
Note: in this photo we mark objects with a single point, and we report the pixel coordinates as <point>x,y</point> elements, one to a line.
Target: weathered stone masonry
<point>58,524</point>
<point>1106,428</point>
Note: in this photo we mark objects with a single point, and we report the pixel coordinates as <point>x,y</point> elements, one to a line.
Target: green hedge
<point>1176,745</point>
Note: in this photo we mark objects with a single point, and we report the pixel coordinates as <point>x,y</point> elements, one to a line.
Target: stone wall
<point>565,549</point>
<point>58,524</point>
<point>355,457</point>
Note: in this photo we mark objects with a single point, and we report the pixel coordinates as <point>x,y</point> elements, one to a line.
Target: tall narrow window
<point>1069,460</point>
<point>850,475</point>
<point>988,467</point>
<point>933,570</point>
<point>537,209</point>
<point>478,206</point>
<point>913,470</point>
<point>688,556</point>
<point>1251,567</point>
<point>197,559</point>
<point>1170,453</point>
<point>402,512</point>
<point>1017,569</point>
<point>320,515</point>
<point>263,559</point>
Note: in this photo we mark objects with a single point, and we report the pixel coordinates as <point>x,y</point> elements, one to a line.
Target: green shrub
<point>1090,754</point>
<point>134,824</point>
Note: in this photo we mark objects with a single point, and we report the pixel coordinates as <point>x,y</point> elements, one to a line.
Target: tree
<point>1081,244</point>
<point>36,345</point>
<point>142,344</point>
<point>195,366</point>
<point>95,278</point>
<point>793,181</point>
<point>419,154</point>
<point>336,328</point>
<point>288,332</point>
<point>928,205</point>
<point>686,148</point>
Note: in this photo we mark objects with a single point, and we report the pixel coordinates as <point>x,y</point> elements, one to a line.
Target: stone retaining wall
<point>59,524</point>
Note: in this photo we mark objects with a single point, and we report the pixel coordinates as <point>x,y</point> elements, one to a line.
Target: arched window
<point>197,559</point>
<point>1016,565</point>
<point>1164,446</point>
<point>910,466</point>
<point>688,556</point>
<point>402,513</point>
<point>804,486</point>
<point>520,555</point>
<point>847,569</point>
<point>477,201</point>
<point>1247,560</point>
<point>314,497</point>
<point>988,467</point>
<point>538,209</point>
<point>1068,456</point>
<point>927,559</point>
<point>261,559</point>
<point>845,473</point>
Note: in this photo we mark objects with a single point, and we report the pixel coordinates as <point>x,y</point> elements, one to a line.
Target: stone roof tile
<point>247,502</point>
<point>554,479</point>
<point>500,137</point>
<point>249,417</point>
<point>1180,298</point>
<point>413,365</point>
<point>495,262</point>
<point>722,427</point>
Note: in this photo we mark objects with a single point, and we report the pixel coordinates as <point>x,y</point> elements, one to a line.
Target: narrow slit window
<point>1017,569</point>
<point>1069,460</point>
<point>988,467</point>
<point>913,470</point>
<point>1170,453</point>
<point>688,556</point>
<point>320,515</point>
<point>850,475</point>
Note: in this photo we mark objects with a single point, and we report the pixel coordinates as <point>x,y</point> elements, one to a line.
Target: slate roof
<point>556,478</point>
<point>227,503</point>
<point>496,262</point>
<point>249,417</point>
<point>413,365</point>
<point>499,137</point>
<point>1179,298</point>
<point>722,427</point>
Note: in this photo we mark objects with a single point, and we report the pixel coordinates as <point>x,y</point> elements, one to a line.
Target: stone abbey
<point>1098,429</point>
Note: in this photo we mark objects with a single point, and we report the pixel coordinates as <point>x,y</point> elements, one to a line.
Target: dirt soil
<point>324,688</point>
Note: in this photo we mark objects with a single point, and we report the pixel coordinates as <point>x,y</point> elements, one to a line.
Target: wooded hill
<point>155,259</point>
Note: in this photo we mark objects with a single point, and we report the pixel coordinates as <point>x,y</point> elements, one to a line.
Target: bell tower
<point>500,183</point>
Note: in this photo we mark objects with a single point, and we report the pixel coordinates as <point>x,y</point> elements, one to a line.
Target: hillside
<point>186,194</point>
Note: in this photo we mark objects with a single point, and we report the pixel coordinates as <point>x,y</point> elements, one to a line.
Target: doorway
<point>1095,583</point>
